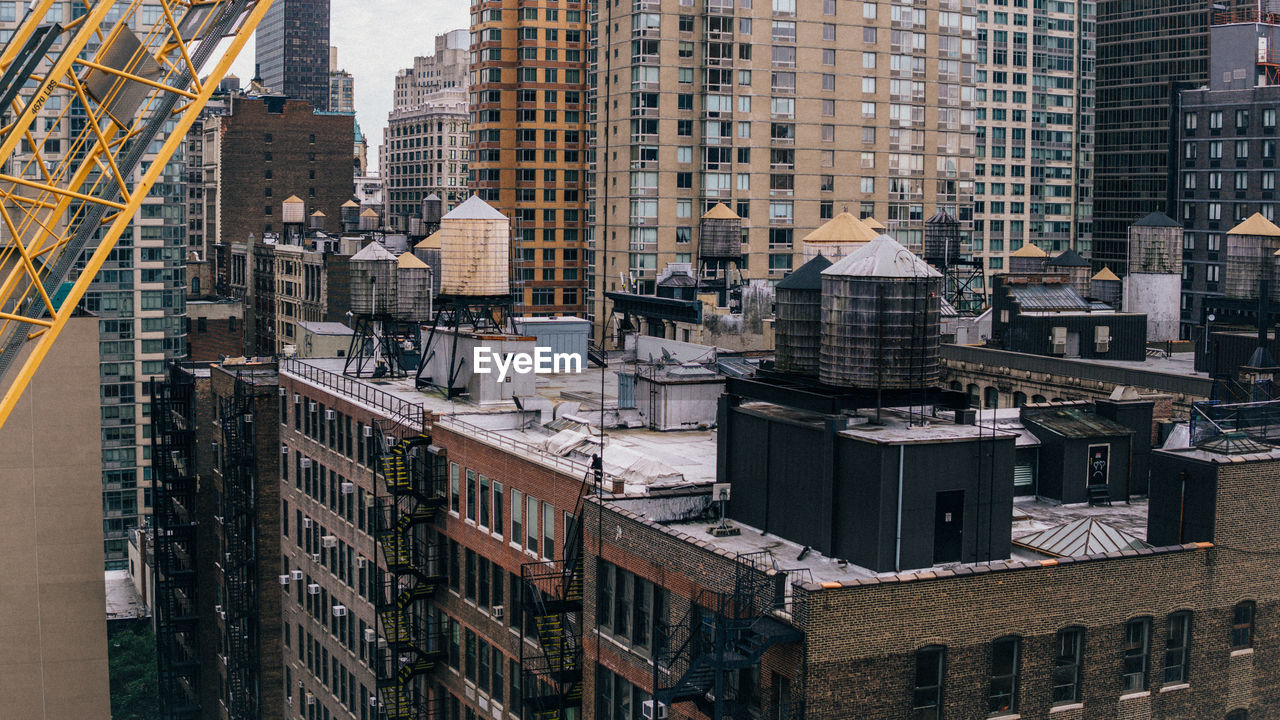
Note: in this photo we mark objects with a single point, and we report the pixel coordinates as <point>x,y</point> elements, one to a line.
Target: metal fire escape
<point>410,638</point>
<point>723,632</point>
<point>174,515</point>
<point>551,673</point>
<point>239,561</point>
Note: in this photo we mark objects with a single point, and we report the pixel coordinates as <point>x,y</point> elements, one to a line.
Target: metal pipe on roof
<point>897,553</point>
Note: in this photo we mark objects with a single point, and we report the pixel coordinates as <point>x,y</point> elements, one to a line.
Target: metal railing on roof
<point>396,408</point>
<point>571,467</point>
<point>1245,15</point>
<point>1257,420</point>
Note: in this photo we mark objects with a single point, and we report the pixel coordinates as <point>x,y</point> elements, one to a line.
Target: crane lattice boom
<point>127,80</point>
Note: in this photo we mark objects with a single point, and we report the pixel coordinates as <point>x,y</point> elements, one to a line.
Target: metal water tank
<point>373,276</point>
<point>941,239</point>
<point>350,216</point>
<point>475,247</point>
<point>369,220</point>
<point>881,319</point>
<point>799,319</point>
<point>293,211</point>
<point>317,221</point>
<point>1155,245</point>
<point>1107,287</point>
<point>1029,258</point>
<point>432,210</point>
<point>720,234</point>
<point>838,237</point>
<point>1075,267</point>
<point>1251,249</point>
<point>413,279</point>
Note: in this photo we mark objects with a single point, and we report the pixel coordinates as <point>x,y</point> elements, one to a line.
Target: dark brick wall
<point>218,339</point>
<point>297,165</point>
<point>857,659</point>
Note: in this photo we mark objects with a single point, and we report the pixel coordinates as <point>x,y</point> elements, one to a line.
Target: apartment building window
<point>531,526</point>
<point>1269,119</point>
<point>517,516</point>
<point>1137,651</point>
<point>926,701</point>
<point>1006,654</point>
<point>630,608</point>
<point>1242,120</point>
<point>1242,149</point>
<point>1242,626</point>
<point>1177,648</point>
<point>1215,120</point>
<point>484,502</point>
<point>1066,666</point>
<point>617,699</point>
<point>471,495</point>
<point>498,518</point>
<point>454,494</point>
<point>548,531</point>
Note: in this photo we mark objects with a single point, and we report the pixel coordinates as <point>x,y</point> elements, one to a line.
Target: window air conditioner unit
<point>653,711</point>
<point>284,579</point>
<point>329,415</point>
<point>297,399</point>
<point>302,685</point>
<point>339,610</point>
<point>368,431</point>
<point>296,574</point>
<point>311,699</point>
<point>215,446</point>
<point>315,557</point>
<point>313,589</point>
<point>370,635</point>
<point>283,392</point>
<point>348,488</point>
<point>284,449</point>
<point>306,463</point>
<point>361,561</point>
<point>311,406</point>
<point>329,541</point>
<point>306,523</point>
<point>248,418</point>
<point>217,609</point>
<point>497,611</point>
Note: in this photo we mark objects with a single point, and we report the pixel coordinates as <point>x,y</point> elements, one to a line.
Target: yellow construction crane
<point>131,81</point>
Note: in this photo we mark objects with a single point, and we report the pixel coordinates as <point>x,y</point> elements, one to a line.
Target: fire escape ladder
<point>551,673</point>
<point>409,493</point>
<point>239,562</point>
<point>174,542</point>
<point>721,632</point>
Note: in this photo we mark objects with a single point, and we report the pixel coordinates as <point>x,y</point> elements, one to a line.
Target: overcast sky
<point>374,40</point>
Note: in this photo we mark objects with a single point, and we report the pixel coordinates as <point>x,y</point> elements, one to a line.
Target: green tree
<point>131,655</point>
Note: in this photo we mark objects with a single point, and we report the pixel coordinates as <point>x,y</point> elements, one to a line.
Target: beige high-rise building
<point>1035,129</point>
<point>447,68</point>
<point>787,111</point>
<point>53,625</point>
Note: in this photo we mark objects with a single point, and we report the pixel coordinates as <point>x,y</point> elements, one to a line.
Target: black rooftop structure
<point>942,217</point>
<point>1157,219</point>
<point>1070,258</point>
<point>808,276</point>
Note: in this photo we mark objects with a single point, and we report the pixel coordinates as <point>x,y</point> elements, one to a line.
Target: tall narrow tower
<point>292,50</point>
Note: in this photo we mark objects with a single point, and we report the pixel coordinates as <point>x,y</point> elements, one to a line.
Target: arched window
<point>926,700</point>
<point>991,398</point>
<point>1006,657</point>
<point>1068,650</point>
<point>195,286</point>
<point>956,385</point>
<point>1019,399</point>
<point>1038,399</point>
<point>1242,626</point>
<point>1238,715</point>
<point>974,395</point>
<point>1137,654</point>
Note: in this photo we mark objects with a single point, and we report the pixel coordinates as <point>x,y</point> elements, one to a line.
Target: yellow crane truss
<point>131,84</point>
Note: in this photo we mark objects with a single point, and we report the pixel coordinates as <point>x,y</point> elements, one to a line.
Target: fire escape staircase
<point>410,642</point>
<point>177,624</point>
<point>551,673</point>
<point>239,563</point>
<point>722,632</point>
